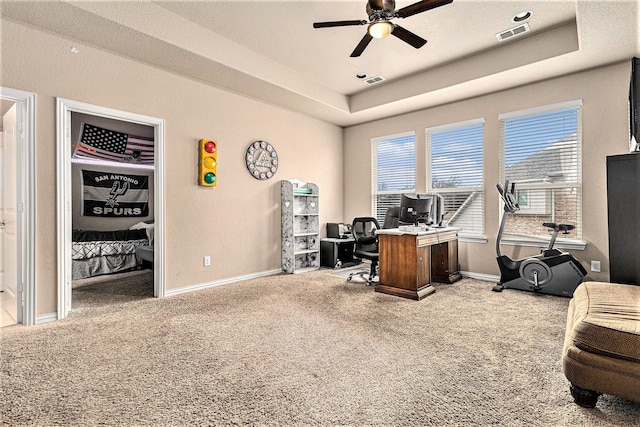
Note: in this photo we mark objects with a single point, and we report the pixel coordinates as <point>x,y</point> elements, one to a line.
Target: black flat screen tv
<point>634,101</point>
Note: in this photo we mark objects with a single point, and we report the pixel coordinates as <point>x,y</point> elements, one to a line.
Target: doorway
<point>17,207</point>
<point>65,109</point>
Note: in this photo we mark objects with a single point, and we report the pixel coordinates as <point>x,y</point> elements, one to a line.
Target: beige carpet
<point>306,349</point>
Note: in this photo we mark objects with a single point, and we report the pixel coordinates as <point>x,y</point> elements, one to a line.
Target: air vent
<point>374,80</point>
<point>512,32</point>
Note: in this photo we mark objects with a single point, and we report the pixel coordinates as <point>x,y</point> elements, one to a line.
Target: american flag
<point>96,143</point>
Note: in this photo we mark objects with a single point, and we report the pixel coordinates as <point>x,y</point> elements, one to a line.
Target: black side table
<point>337,253</point>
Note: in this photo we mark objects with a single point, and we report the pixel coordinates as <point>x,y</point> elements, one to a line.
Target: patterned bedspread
<point>92,243</point>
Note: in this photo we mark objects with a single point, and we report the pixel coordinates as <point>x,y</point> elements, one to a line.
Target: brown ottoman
<point>601,352</point>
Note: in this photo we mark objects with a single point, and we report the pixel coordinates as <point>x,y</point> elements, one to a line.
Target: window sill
<point>577,245</point>
<point>472,238</point>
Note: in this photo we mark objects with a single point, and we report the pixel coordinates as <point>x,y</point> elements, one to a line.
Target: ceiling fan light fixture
<point>380,12</point>
<point>380,29</point>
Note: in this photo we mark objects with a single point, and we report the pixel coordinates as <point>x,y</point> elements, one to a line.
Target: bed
<point>96,252</point>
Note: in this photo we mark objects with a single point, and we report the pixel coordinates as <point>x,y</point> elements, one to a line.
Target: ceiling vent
<point>374,80</point>
<point>512,32</point>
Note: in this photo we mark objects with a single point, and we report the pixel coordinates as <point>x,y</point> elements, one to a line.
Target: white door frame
<point>63,119</point>
<point>26,200</point>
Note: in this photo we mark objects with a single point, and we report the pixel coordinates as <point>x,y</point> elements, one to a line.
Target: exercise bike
<point>552,272</point>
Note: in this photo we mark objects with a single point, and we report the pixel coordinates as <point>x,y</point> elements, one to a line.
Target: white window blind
<point>541,153</point>
<point>455,170</point>
<point>393,168</point>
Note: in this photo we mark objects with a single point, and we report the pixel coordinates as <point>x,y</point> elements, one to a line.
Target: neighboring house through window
<point>541,153</point>
<point>455,170</point>
<point>393,168</point>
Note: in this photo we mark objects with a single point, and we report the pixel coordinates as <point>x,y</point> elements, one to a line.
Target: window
<point>393,168</point>
<point>455,171</point>
<point>541,153</point>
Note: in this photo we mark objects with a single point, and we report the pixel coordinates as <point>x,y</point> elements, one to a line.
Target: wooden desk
<point>410,261</point>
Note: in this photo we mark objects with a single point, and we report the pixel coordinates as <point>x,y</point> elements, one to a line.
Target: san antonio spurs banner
<point>110,194</point>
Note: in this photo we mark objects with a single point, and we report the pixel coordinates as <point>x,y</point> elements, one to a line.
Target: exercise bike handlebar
<point>510,206</point>
<point>508,194</point>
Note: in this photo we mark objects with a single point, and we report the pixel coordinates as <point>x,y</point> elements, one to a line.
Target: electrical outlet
<point>595,266</point>
<point>207,261</point>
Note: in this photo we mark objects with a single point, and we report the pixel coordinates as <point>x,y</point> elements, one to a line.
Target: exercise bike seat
<point>565,228</point>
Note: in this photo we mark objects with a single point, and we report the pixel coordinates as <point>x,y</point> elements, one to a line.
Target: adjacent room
<point>112,205</point>
<point>341,212</point>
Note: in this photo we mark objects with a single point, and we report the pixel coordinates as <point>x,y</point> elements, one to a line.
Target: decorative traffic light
<point>208,163</point>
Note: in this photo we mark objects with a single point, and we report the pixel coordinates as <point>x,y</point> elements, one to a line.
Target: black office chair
<point>391,217</point>
<point>366,246</point>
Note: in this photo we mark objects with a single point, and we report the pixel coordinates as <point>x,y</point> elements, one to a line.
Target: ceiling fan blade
<point>409,37</point>
<point>361,46</point>
<point>338,23</point>
<point>421,6</point>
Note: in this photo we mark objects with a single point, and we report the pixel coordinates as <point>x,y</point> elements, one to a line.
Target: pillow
<point>147,227</point>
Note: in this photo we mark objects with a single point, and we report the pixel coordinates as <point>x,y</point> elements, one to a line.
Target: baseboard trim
<point>200,286</point>
<point>46,318</point>
<point>481,276</point>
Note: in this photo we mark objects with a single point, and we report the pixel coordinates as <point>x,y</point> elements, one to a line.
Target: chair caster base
<point>368,282</point>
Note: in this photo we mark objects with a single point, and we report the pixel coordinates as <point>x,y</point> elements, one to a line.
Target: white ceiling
<point>268,50</point>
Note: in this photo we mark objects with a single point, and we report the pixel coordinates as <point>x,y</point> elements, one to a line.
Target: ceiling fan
<point>380,13</point>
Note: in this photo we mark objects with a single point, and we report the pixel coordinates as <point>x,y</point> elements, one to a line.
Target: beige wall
<point>605,127</point>
<point>237,223</point>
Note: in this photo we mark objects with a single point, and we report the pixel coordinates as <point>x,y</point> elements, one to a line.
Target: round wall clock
<point>261,159</point>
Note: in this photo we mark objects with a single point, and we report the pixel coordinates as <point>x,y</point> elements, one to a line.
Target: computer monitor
<point>437,210</point>
<point>415,208</point>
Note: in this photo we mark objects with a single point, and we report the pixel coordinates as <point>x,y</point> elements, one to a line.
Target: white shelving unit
<point>300,226</point>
